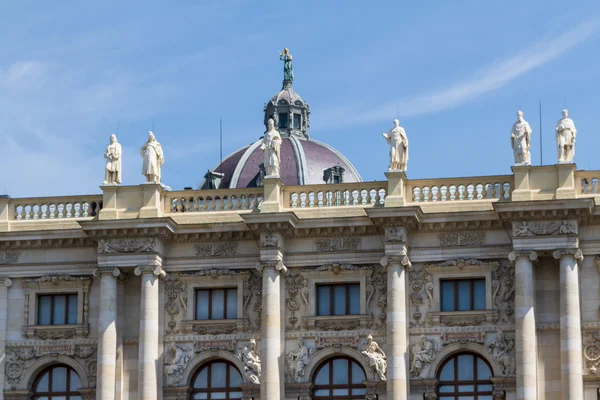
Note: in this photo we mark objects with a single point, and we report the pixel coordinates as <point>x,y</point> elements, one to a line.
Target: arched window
<point>217,380</point>
<point>58,382</point>
<point>339,378</point>
<point>465,376</point>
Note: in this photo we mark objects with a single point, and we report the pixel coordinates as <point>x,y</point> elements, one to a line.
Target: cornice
<point>163,228</point>
<point>535,210</point>
<point>408,217</point>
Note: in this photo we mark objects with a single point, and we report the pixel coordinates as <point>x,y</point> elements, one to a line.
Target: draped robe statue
<point>271,146</point>
<point>298,359</point>
<point>565,138</point>
<point>396,137</point>
<point>153,156</point>
<point>520,138</point>
<point>376,358</point>
<point>288,73</point>
<point>112,154</point>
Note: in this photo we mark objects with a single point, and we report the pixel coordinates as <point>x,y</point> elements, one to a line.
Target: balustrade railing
<point>213,200</point>
<point>56,207</point>
<point>365,194</point>
<point>460,189</point>
<point>587,182</point>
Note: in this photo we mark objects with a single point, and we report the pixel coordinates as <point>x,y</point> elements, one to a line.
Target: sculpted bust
<point>565,138</point>
<point>112,154</point>
<point>396,138</point>
<point>153,157</point>
<point>520,138</point>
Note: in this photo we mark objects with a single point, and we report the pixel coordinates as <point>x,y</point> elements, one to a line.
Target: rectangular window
<point>297,121</point>
<point>283,120</point>
<point>463,294</point>
<point>342,299</point>
<point>57,309</point>
<point>216,303</point>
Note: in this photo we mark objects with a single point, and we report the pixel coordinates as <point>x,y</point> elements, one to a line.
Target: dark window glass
<point>297,121</point>
<point>465,376</point>
<point>339,378</point>
<point>217,380</point>
<point>57,383</point>
<point>57,309</point>
<point>463,294</point>
<point>216,304</point>
<point>342,299</point>
<point>283,120</point>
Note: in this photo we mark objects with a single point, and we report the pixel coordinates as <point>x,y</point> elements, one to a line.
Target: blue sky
<point>454,71</point>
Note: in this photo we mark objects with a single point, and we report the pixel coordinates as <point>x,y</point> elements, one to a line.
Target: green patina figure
<point>288,74</point>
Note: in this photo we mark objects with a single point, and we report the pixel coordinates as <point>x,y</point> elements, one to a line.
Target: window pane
<point>323,375</point>
<point>200,396</point>
<point>59,379</point>
<point>447,296</point>
<point>75,382</point>
<point>479,294</point>
<point>232,303</point>
<point>235,379</point>
<point>200,381</point>
<point>359,391</point>
<point>297,121</point>
<point>354,299</point>
<point>465,367</point>
<point>322,392</point>
<point>486,397</point>
<point>72,317</point>
<point>339,300</point>
<point>340,392</point>
<point>447,389</point>
<point>447,373</point>
<point>340,372</point>
<point>323,300</point>
<point>44,305</point>
<point>485,388</point>
<point>466,388</point>
<point>283,120</point>
<point>202,304</point>
<point>42,385</point>
<point>218,304</point>
<point>218,395</point>
<point>464,295</point>
<point>60,309</point>
<point>358,376</point>
<point>218,377</point>
<point>483,371</point>
<point>235,395</point>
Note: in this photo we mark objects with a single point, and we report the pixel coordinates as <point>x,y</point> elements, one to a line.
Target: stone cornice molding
<point>406,217</point>
<point>57,280</point>
<point>337,269</point>
<point>538,210</point>
<point>576,253</point>
<point>155,270</point>
<point>214,273</point>
<point>163,228</point>
<point>115,272</point>
<point>462,265</point>
<point>45,243</point>
<point>271,222</point>
<point>127,246</point>
<point>513,255</point>
<point>278,266</point>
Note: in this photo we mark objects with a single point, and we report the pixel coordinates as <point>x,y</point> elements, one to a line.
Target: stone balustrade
<point>364,194</point>
<point>460,189</point>
<point>213,200</point>
<point>587,182</point>
<point>56,207</point>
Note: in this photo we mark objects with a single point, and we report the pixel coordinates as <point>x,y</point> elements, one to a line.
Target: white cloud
<point>492,78</point>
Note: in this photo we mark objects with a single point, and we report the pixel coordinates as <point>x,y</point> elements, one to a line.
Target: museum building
<point>285,276</point>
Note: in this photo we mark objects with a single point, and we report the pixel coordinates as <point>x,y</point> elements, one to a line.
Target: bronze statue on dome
<point>288,73</point>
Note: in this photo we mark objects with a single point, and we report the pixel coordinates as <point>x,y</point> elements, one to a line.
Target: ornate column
<point>5,283</point>
<point>271,265</point>
<point>525,335</point>
<point>396,261</point>
<point>107,333</point>
<point>570,324</point>
<point>149,332</point>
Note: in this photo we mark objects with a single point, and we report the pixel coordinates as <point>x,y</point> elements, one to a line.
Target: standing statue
<point>520,139</point>
<point>271,146</point>
<point>177,359</point>
<point>288,73</point>
<point>423,354</point>
<point>565,138</point>
<point>396,137</point>
<point>502,349</point>
<point>154,158</point>
<point>376,357</point>
<point>298,359</point>
<point>251,361</point>
<point>112,154</point>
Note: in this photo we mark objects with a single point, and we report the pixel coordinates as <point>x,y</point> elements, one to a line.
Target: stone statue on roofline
<point>286,57</point>
<point>565,138</point>
<point>153,157</point>
<point>520,139</point>
<point>271,147</point>
<point>112,175</point>
<point>396,138</point>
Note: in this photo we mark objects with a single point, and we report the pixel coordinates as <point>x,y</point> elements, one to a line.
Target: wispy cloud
<point>492,78</point>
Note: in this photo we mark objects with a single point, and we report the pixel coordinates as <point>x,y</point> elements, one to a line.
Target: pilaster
<point>152,204</point>
<point>522,190</point>
<point>395,196</point>
<point>6,213</point>
<point>5,283</point>
<point>109,203</point>
<point>272,195</point>
<point>566,181</point>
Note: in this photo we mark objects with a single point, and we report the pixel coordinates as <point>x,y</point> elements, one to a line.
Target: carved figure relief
<point>112,246</point>
<point>422,354</point>
<point>376,291</point>
<point>253,302</point>
<point>251,361</point>
<point>502,350</point>
<point>375,357</point>
<point>421,295</point>
<point>503,285</point>
<point>337,268</point>
<point>176,292</point>
<point>298,359</point>
<point>296,285</point>
<point>544,228</point>
<point>269,240</point>
<point>214,273</point>
<point>176,359</point>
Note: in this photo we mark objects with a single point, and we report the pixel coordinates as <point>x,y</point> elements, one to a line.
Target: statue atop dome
<point>271,146</point>
<point>286,57</point>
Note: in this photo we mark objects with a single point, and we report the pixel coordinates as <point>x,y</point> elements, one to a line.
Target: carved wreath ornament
<point>591,351</point>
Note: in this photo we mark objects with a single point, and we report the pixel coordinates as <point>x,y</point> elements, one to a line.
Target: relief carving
<point>544,228</point>
<point>458,320</point>
<point>9,257</point>
<point>251,361</point>
<point>253,302</point>
<point>298,359</point>
<point>453,239</point>
<point>216,329</point>
<point>503,285</point>
<point>216,249</point>
<point>591,350</point>
<point>115,246</point>
<point>333,325</point>
<point>269,240</point>
<point>376,291</point>
<point>337,268</point>
<point>176,359</point>
<point>337,244</point>
<point>502,350</point>
<point>375,357</point>
<point>296,285</point>
<point>55,280</point>
<point>423,353</point>
<point>421,284</point>
<point>176,292</point>
<point>214,273</point>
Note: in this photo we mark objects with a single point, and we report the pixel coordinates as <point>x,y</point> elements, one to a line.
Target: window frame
<point>210,301</point>
<point>456,294</point>
<point>332,303</point>
<point>49,394</point>
<point>52,297</point>
<point>456,382</point>
<point>332,386</point>
<point>227,389</point>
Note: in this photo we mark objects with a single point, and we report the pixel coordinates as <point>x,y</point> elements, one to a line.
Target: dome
<point>287,95</point>
<point>303,162</point>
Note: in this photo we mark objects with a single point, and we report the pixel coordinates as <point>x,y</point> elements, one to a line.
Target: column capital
<point>576,253</point>
<point>6,281</point>
<point>156,270</point>
<point>402,259</point>
<point>513,255</point>
<point>98,272</point>
<point>260,266</point>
